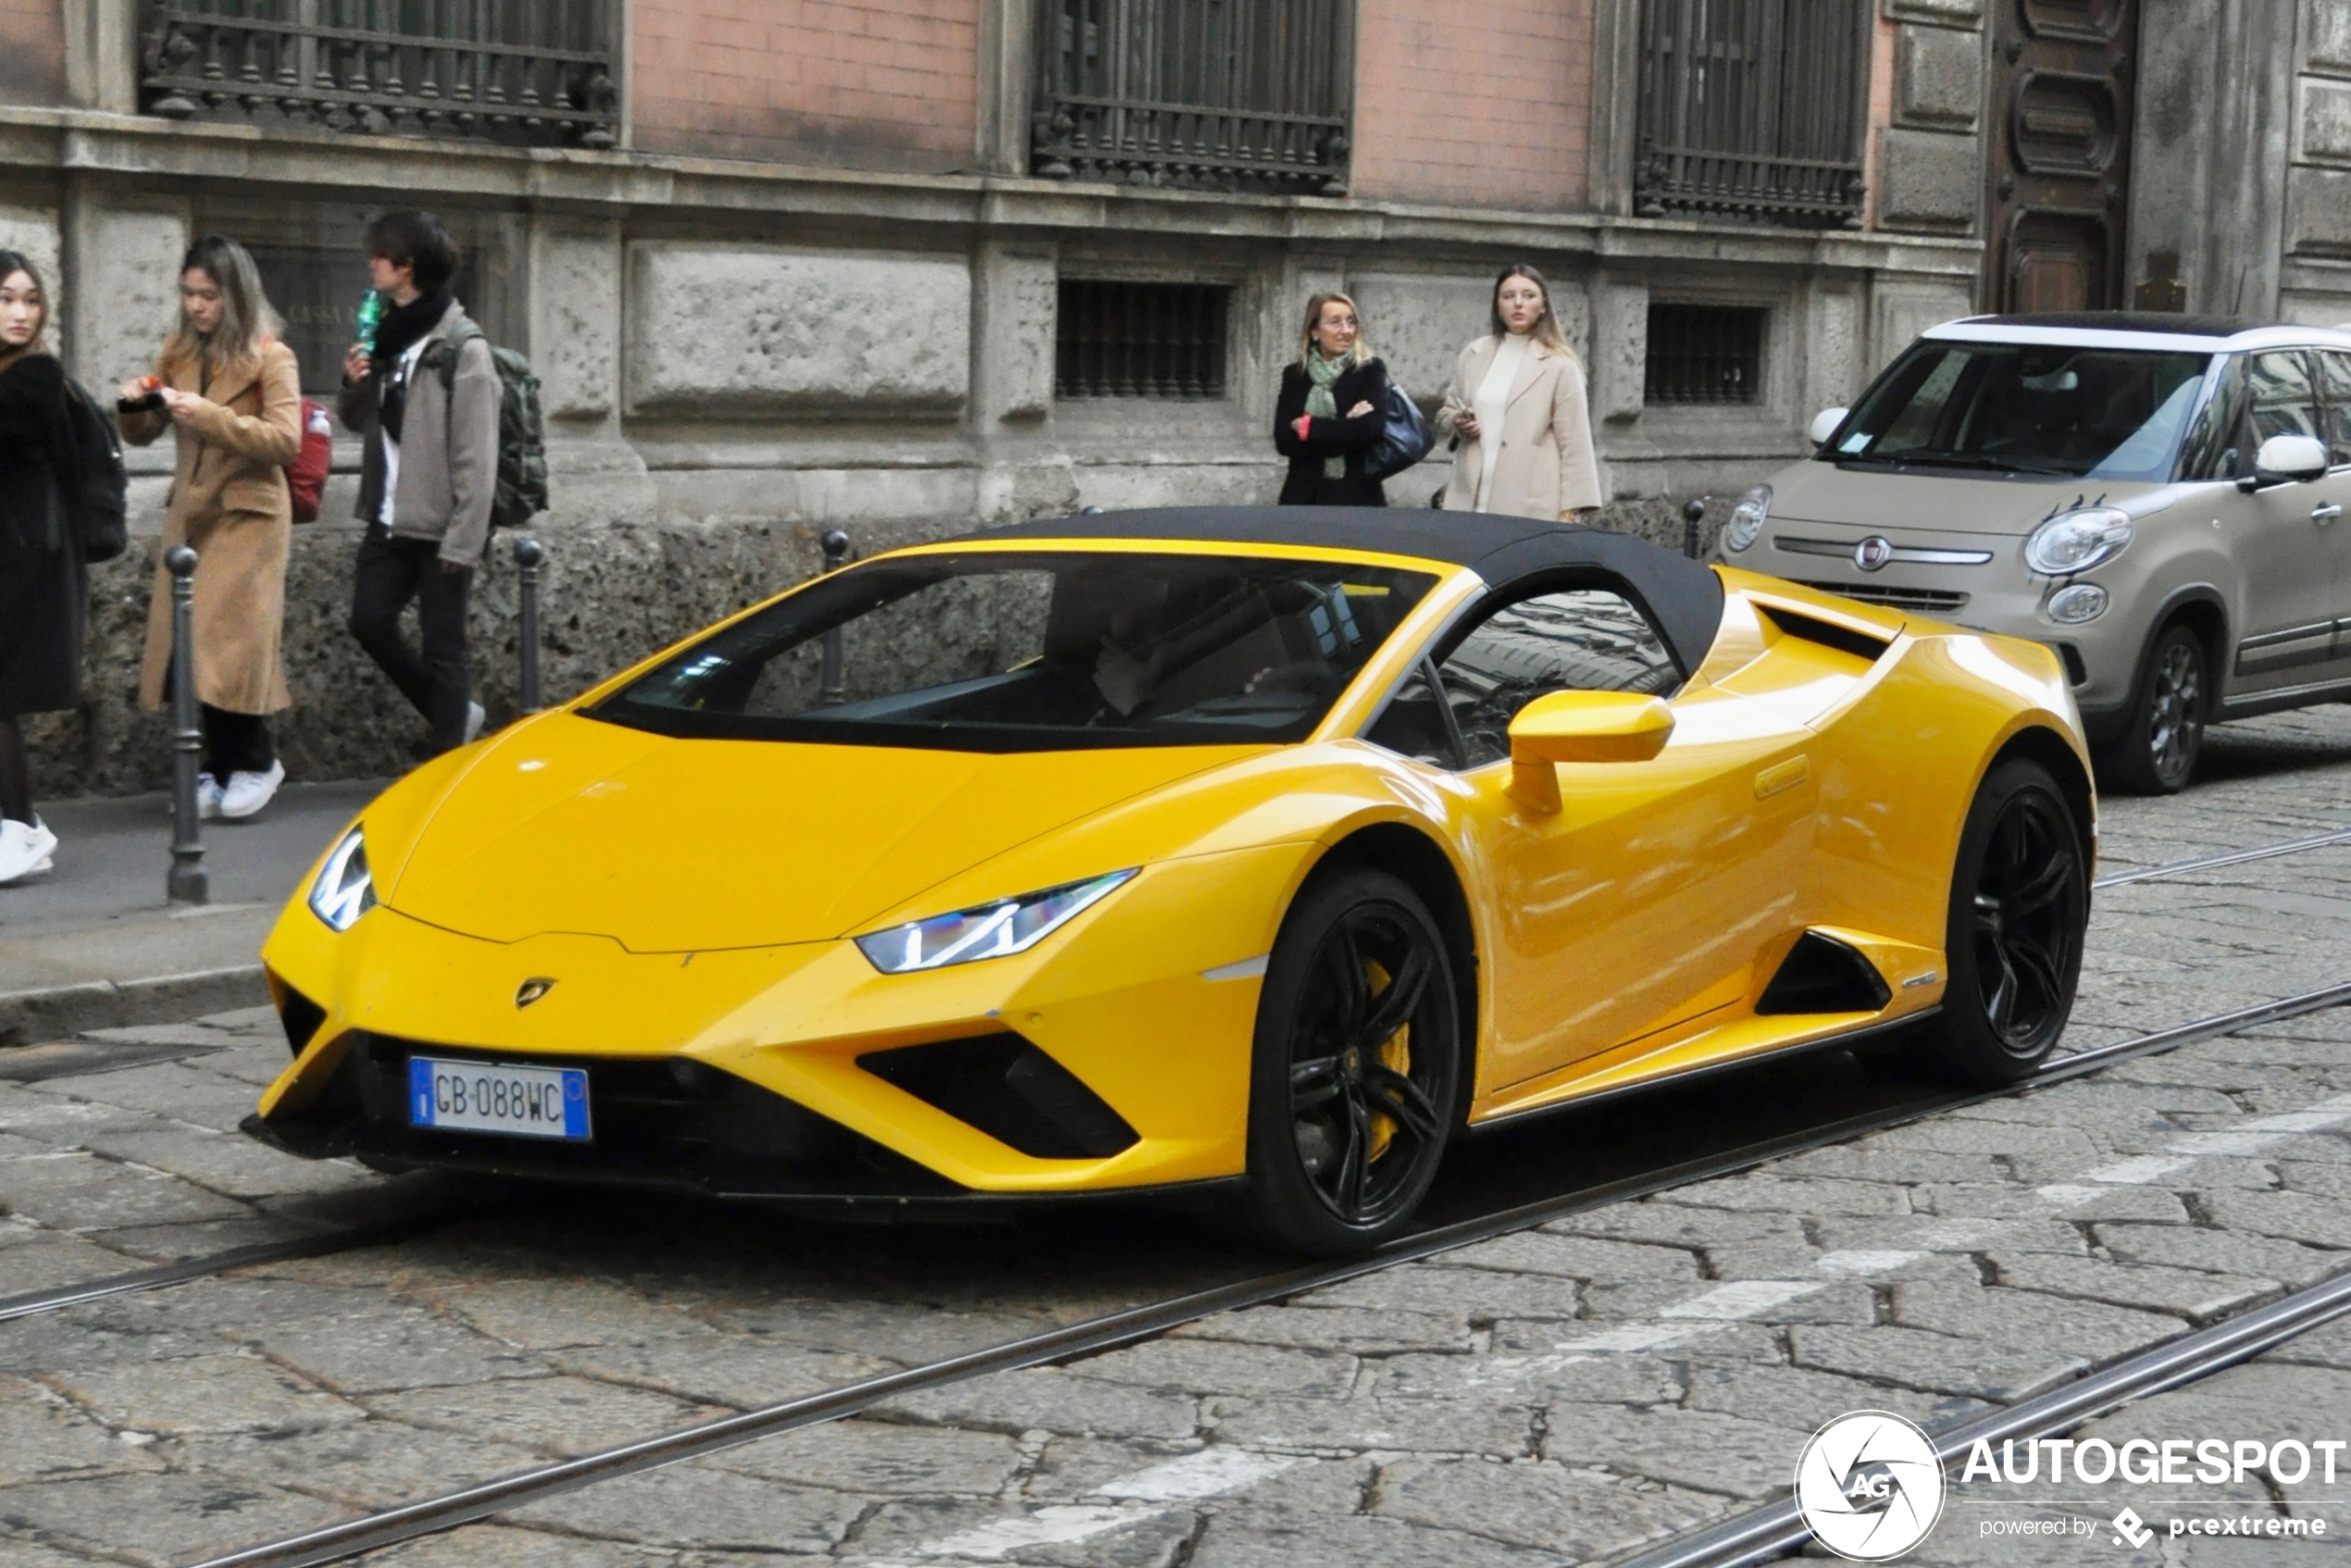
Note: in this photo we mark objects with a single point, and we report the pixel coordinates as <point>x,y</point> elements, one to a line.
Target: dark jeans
<point>392,571</point>
<point>234,742</point>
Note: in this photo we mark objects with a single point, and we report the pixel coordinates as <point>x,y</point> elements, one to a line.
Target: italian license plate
<point>498,1097</point>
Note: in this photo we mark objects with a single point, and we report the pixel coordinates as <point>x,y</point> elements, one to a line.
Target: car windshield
<point>2032,408</point>
<point>998,651</point>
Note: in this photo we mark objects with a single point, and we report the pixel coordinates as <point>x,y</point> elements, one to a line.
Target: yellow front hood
<point>669,846</point>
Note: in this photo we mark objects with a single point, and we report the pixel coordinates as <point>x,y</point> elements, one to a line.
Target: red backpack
<point>306,475</point>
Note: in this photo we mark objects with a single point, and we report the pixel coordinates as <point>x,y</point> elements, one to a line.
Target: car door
<point>1645,901</point>
<point>2285,537</point>
<point>2334,385</point>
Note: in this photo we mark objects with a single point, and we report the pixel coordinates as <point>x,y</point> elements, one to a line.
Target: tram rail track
<point>2217,862</point>
<point>388,1528</point>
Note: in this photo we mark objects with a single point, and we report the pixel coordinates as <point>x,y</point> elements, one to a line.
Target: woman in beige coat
<point>1518,414</point>
<point>232,395</point>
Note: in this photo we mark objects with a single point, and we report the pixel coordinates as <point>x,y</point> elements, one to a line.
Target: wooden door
<point>2059,170</point>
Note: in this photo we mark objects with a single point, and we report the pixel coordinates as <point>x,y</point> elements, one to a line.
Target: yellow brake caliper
<point>1395,1054</point>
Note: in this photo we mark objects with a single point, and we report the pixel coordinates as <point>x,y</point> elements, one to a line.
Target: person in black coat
<point>40,571</point>
<point>1329,414</point>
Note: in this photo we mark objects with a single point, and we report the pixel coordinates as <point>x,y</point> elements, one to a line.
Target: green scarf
<point>1322,375</point>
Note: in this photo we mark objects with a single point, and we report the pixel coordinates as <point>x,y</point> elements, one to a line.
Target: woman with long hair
<point>232,395</point>
<point>41,570</point>
<point>1334,370</point>
<point>1519,415</point>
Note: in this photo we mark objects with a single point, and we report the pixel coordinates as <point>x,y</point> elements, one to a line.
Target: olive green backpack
<point>522,430</point>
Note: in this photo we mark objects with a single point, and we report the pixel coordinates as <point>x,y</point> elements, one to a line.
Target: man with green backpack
<point>454,447</point>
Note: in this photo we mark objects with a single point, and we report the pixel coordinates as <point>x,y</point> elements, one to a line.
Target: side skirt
<point>1712,1069</point>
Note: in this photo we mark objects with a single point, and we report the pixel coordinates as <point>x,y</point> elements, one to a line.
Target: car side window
<point>2210,451</point>
<point>1568,640</point>
<point>1413,724</point>
<point>2283,400</point>
<point>2334,376</point>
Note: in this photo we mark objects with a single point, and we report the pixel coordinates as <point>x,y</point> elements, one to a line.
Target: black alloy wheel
<point>2158,755</point>
<point>1353,1079</point>
<point>2020,905</point>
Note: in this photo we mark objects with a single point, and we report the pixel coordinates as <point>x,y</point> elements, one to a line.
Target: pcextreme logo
<point>1869,1486</point>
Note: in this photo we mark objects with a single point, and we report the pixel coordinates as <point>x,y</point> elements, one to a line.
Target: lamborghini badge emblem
<point>530,990</point>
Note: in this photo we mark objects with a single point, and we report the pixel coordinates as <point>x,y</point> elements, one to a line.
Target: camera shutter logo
<point>1869,1486</point>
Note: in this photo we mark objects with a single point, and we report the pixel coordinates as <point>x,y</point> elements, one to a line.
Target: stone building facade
<point>786,265</point>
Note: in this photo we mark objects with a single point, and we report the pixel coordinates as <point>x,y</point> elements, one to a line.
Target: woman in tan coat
<point>232,395</point>
<point>1518,413</point>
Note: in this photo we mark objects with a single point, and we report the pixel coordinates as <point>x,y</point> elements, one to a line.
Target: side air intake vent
<point>1828,634</point>
<point>301,1017</point>
<point>1822,974</point>
<point>1011,1092</point>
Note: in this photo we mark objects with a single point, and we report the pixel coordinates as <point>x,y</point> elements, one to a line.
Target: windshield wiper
<point>1974,460</point>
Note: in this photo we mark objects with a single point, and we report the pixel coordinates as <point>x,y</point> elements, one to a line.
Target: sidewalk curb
<point>50,1012</point>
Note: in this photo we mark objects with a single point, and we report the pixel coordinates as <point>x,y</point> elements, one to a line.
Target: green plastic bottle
<point>371,315</point>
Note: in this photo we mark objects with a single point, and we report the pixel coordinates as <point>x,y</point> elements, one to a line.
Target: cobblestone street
<point>1563,1394</point>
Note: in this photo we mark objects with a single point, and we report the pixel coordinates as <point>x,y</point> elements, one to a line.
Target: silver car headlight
<point>1747,518</point>
<point>990,930</point>
<point>2075,542</point>
<point>345,890</point>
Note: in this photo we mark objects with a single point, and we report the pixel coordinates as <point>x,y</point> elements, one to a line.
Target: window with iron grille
<point>1754,109</point>
<point>1705,354</point>
<point>517,71</point>
<point>1140,339</point>
<point>1216,95</point>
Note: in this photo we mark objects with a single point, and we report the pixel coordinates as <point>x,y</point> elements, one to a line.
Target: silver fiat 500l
<point>2157,497</point>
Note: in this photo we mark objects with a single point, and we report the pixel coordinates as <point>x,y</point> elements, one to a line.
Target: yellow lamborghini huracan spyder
<point>1266,849</point>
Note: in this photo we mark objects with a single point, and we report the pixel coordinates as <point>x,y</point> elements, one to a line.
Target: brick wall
<point>1473,103</point>
<point>32,52</point>
<point>880,85</point>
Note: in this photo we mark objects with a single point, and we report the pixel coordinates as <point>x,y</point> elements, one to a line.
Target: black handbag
<point>1404,438</point>
<point>97,492</point>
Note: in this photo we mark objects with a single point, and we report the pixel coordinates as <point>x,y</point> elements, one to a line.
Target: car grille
<point>659,1121</point>
<point>1925,600</point>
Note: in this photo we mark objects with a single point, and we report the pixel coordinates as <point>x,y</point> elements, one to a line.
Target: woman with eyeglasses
<point>1328,417</point>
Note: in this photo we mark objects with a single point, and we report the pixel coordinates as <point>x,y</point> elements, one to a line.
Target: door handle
<point>2325,512</point>
<point>1782,776</point>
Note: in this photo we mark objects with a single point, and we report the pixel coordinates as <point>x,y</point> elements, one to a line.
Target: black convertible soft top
<point>1685,597</point>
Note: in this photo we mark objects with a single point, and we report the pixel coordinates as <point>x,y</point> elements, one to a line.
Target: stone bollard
<point>529,555</point>
<point>831,688</point>
<point>189,882</point>
<point>1692,513</point>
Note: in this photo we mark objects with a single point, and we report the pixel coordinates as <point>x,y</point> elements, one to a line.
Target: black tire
<point>2157,754</point>
<point>1355,1068</point>
<point>2012,940</point>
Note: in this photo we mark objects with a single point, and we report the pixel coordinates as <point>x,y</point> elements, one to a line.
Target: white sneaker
<point>208,794</point>
<point>475,713</point>
<point>246,794</point>
<point>25,851</point>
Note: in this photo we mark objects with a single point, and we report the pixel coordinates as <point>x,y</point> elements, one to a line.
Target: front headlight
<point>344,891</point>
<point>990,930</point>
<point>1747,518</point>
<point>2075,542</point>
